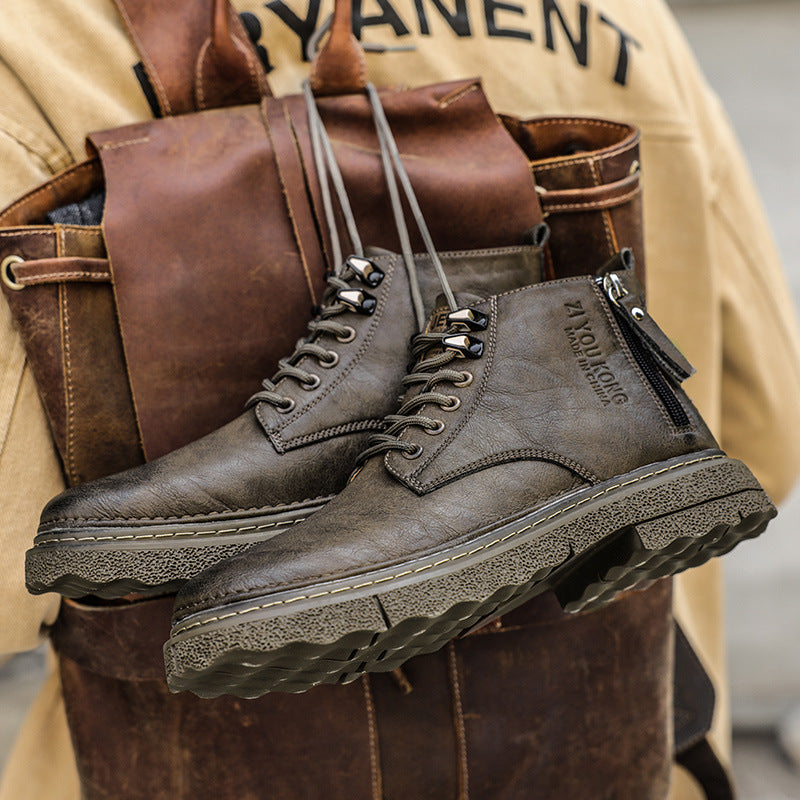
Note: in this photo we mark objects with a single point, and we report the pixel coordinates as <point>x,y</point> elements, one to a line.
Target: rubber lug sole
<point>146,560</point>
<point>587,547</point>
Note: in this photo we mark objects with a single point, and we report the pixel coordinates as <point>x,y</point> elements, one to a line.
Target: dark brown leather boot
<point>150,528</point>
<point>545,444</point>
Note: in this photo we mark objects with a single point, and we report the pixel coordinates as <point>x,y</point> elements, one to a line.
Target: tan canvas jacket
<point>715,281</point>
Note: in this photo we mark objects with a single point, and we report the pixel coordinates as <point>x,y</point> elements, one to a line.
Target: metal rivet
<point>466,379</point>
<point>454,403</point>
<point>287,407</point>
<point>637,313</point>
<point>464,345</point>
<point>311,384</point>
<point>331,361</point>
<point>347,337</point>
<point>468,319</point>
<point>435,431</point>
<point>358,301</point>
<point>8,277</point>
<point>366,269</point>
<point>415,453</point>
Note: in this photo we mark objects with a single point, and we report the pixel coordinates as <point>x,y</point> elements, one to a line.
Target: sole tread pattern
<point>247,658</point>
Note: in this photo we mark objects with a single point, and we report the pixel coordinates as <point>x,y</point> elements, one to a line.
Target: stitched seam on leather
<point>69,433</point>
<point>275,430</point>
<point>45,189</point>
<point>296,152</point>
<point>151,70</point>
<point>241,40</point>
<point>601,155</point>
<point>623,347</point>
<point>172,534</point>
<point>458,722</point>
<point>374,751</point>
<point>249,58</point>
<point>598,182</point>
<point>622,484</point>
<point>597,123</point>
<point>308,173</point>
<point>507,456</point>
<point>465,416</point>
<point>21,233</point>
<point>332,433</point>
<point>191,607</point>
<point>93,231</point>
<point>411,479</point>
<point>286,199</point>
<point>100,276</point>
<point>611,201</point>
<point>288,506</point>
<point>457,95</point>
<point>126,143</point>
<point>198,73</point>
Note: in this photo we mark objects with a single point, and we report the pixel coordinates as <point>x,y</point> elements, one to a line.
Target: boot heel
<point>707,512</point>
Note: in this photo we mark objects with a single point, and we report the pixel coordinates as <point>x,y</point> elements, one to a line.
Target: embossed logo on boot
<point>591,359</point>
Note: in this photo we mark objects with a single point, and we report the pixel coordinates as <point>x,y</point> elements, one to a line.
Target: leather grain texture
<point>538,704</point>
<point>211,64</point>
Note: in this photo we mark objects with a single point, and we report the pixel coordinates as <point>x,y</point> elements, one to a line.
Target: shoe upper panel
<point>556,381</point>
<point>355,391</point>
<point>353,383</point>
<point>232,470</point>
<point>375,522</point>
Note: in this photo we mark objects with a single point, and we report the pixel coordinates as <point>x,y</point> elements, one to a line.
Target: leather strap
<point>196,53</point>
<point>57,270</point>
<point>293,183</point>
<point>693,704</point>
<point>339,67</point>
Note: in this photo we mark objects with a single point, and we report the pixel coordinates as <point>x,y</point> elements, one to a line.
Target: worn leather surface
<point>457,179</point>
<point>587,171</point>
<point>211,64</point>
<point>339,67</point>
<point>196,270</point>
<point>266,458</point>
<point>539,704</point>
<point>164,160</point>
<point>67,317</point>
<point>531,426</point>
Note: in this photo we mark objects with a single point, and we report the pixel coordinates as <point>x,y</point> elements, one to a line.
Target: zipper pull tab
<point>630,311</point>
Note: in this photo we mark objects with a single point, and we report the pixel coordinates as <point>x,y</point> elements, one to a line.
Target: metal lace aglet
<point>360,302</point>
<point>463,345</point>
<point>366,270</point>
<point>468,319</point>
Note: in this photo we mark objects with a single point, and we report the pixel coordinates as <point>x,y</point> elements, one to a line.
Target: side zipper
<point>651,349</point>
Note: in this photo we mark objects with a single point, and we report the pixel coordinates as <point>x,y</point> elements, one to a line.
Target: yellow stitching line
<point>171,534</point>
<point>452,558</point>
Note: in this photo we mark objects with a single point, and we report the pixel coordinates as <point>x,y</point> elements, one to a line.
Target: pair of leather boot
<point>543,442</point>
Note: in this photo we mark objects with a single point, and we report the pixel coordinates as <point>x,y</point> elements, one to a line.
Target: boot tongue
<point>437,322</point>
<point>475,275</point>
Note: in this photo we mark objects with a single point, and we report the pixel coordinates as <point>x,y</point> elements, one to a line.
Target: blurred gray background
<point>750,52</point>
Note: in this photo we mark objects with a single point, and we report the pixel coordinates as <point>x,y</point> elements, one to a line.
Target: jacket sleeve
<point>760,392</point>
<point>30,473</point>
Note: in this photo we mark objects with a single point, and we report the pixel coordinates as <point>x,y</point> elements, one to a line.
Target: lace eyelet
<point>435,431</point>
<point>309,386</point>
<point>348,337</point>
<point>331,361</point>
<point>466,380</point>
<point>412,454</point>
<point>289,406</point>
<point>454,403</point>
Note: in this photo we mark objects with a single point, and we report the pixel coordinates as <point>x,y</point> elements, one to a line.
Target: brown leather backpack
<point>150,327</point>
